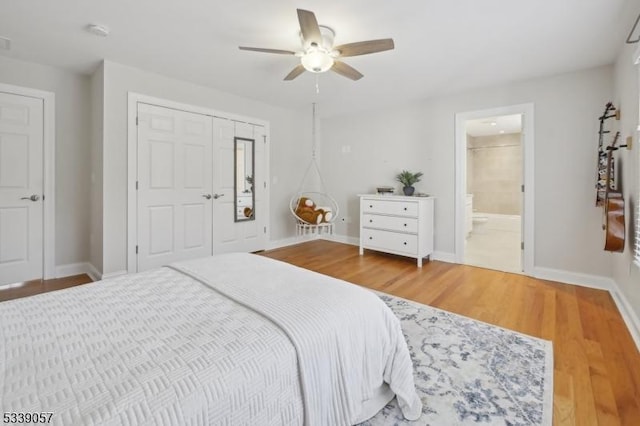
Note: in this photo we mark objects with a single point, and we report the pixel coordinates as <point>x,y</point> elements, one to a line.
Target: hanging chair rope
<point>323,199</point>
<point>313,163</point>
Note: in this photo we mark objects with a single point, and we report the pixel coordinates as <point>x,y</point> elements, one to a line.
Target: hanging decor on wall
<point>608,188</point>
<point>631,40</point>
<point>601,178</point>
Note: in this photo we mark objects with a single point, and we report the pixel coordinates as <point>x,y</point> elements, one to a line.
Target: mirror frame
<point>236,217</point>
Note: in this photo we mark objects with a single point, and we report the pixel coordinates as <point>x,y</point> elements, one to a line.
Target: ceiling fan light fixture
<point>316,60</point>
<point>318,54</point>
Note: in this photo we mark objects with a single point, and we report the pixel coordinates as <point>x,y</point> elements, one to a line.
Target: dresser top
<point>394,197</point>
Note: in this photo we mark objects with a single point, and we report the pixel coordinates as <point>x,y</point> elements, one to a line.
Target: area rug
<point>468,372</point>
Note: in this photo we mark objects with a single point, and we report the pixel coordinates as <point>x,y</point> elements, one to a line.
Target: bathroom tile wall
<point>494,173</point>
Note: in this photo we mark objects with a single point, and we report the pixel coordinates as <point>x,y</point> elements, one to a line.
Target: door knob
<point>34,197</point>
<point>216,196</point>
<point>207,196</point>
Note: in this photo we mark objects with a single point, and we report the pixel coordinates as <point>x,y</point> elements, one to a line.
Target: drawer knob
<point>371,238</point>
<point>370,206</point>
<point>405,224</point>
<point>370,220</point>
<point>405,243</point>
<point>405,209</point>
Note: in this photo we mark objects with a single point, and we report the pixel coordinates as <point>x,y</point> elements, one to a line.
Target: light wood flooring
<point>31,288</point>
<point>597,365</point>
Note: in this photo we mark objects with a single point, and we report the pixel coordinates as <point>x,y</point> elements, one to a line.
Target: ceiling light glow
<point>317,60</point>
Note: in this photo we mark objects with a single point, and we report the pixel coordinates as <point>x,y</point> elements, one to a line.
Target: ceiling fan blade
<point>365,47</point>
<point>259,49</point>
<point>346,70</point>
<point>295,72</point>
<point>309,27</point>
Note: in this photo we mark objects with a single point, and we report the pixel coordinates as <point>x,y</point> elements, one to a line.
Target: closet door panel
<point>174,183</point>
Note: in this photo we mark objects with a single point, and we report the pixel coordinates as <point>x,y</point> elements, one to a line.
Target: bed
<point>234,339</point>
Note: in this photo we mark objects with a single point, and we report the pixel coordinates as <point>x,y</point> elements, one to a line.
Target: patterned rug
<point>468,372</point>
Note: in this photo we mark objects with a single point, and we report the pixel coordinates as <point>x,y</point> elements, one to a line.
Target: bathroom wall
<point>494,173</point>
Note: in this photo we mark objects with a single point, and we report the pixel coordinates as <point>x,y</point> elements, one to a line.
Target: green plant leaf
<point>408,178</point>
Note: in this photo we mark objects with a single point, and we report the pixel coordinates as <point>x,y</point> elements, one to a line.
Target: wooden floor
<point>30,288</point>
<point>597,365</point>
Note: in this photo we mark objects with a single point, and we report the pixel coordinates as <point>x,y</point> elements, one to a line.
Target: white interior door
<point>21,188</point>
<point>174,186</point>
<point>229,235</point>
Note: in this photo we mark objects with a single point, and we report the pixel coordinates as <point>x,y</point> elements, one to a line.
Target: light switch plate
<point>5,43</point>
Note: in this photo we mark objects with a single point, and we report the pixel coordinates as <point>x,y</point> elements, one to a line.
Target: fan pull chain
<point>313,130</point>
<point>317,86</point>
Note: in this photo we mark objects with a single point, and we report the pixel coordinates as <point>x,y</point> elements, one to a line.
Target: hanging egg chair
<point>314,211</point>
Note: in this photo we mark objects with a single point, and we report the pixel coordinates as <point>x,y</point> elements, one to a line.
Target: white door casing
<point>522,200</point>
<point>174,185</point>
<point>259,241</point>
<point>231,236</point>
<point>21,188</point>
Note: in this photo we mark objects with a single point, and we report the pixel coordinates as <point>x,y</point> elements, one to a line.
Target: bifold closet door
<point>229,235</point>
<point>175,162</point>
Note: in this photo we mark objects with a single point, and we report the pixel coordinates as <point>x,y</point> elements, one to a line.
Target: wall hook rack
<point>635,25</point>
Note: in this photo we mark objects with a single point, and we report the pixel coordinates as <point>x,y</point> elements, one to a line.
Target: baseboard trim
<point>443,256</point>
<point>344,239</point>
<point>93,272</point>
<point>71,269</point>
<point>628,315</point>
<point>68,270</point>
<point>576,278</point>
<point>285,242</point>
<point>114,274</point>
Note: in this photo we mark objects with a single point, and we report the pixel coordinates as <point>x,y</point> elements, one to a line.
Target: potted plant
<point>407,179</point>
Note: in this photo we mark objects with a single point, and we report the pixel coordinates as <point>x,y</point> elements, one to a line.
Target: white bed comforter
<point>349,343</point>
<point>162,348</point>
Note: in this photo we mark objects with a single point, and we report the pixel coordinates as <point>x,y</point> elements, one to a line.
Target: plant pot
<point>408,190</point>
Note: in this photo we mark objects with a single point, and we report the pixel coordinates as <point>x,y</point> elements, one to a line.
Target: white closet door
<point>228,235</point>
<point>21,187</point>
<point>174,186</point>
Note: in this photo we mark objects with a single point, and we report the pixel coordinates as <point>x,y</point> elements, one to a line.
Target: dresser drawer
<point>401,208</point>
<point>392,223</point>
<point>393,241</point>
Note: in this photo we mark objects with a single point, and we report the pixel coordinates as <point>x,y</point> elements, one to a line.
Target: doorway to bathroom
<point>494,185</point>
<point>493,217</point>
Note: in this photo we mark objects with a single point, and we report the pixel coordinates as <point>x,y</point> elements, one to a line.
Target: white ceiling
<point>441,46</point>
<point>503,124</point>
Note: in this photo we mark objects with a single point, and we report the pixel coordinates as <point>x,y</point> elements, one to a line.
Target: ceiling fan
<point>318,53</point>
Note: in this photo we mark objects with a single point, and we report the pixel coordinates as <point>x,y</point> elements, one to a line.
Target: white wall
<point>626,98</point>
<point>420,137</point>
<point>72,93</point>
<point>290,147</point>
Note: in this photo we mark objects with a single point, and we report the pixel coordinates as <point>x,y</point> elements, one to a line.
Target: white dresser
<point>396,224</point>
